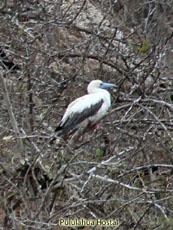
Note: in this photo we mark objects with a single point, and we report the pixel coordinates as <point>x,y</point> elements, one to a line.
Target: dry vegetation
<point>49,51</point>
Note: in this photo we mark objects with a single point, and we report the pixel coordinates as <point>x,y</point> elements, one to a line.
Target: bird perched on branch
<point>88,109</point>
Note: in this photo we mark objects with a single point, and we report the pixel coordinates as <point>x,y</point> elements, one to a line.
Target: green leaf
<point>108,34</point>
<point>99,152</point>
<point>20,31</point>
<point>22,162</point>
<point>2,4</point>
<point>144,46</point>
<point>171,144</point>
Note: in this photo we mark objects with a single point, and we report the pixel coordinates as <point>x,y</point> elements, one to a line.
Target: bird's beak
<point>107,85</point>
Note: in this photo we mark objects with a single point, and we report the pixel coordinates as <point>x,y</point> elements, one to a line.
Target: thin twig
<point>11,114</point>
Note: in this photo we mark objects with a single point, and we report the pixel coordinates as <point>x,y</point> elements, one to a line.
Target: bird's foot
<point>96,126</point>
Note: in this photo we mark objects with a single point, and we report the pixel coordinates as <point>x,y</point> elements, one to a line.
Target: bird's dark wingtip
<point>58,128</point>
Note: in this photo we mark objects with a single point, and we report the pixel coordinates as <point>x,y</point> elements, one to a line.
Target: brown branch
<point>90,56</point>
<point>11,114</point>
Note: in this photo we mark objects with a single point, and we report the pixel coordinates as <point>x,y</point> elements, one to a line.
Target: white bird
<point>88,109</point>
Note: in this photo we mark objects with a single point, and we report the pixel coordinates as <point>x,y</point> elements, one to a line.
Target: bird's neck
<point>103,92</point>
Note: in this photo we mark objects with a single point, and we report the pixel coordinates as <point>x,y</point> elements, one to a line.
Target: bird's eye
<point>101,84</point>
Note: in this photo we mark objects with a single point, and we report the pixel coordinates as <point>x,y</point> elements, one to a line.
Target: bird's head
<point>98,84</point>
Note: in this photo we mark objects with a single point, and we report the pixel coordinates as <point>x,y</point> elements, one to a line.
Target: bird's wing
<point>79,110</point>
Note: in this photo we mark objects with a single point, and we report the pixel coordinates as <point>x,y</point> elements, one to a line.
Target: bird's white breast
<point>85,102</point>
